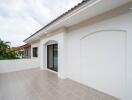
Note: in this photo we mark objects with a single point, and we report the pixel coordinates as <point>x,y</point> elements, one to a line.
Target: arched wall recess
<point>102,31</point>
<point>103,57</point>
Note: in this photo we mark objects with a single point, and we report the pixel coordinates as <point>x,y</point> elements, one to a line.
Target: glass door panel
<point>55,52</point>
<point>52,57</point>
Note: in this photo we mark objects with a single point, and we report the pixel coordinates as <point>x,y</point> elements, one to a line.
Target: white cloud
<point>21,18</point>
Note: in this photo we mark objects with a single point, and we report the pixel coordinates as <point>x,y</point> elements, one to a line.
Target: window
<point>26,52</point>
<point>35,52</point>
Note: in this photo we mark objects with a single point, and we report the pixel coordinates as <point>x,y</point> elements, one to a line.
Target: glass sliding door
<point>52,57</point>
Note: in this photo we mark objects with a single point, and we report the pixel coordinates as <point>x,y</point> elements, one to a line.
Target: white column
<point>62,56</point>
<point>41,56</point>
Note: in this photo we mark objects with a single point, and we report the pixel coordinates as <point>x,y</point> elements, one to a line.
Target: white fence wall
<point>18,64</point>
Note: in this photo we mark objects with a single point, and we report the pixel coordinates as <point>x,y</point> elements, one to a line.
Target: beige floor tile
<point>34,84</point>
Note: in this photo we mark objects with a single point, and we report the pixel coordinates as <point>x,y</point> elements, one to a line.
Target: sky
<point>21,18</point>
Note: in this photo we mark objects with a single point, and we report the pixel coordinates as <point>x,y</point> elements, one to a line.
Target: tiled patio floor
<point>34,84</point>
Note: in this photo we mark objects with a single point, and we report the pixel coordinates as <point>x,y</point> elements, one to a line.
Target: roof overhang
<point>78,14</point>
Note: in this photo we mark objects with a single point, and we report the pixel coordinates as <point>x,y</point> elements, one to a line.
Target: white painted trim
<point>102,31</point>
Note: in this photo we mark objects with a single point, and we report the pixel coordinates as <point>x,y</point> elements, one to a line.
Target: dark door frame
<point>52,58</point>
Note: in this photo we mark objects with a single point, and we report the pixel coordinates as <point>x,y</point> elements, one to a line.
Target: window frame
<point>35,51</point>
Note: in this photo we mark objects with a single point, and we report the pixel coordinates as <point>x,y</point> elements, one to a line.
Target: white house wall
<point>60,40</point>
<point>110,33</point>
<point>36,44</point>
<point>106,43</point>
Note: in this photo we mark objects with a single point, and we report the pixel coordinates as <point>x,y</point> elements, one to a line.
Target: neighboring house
<point>24,51</point>
<point>91,44</point>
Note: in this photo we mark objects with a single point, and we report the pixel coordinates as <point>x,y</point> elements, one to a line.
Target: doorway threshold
<point>52,71</point>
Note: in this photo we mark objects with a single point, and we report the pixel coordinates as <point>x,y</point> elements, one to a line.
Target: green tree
<point>3,47</point>
<point>6,52</point>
